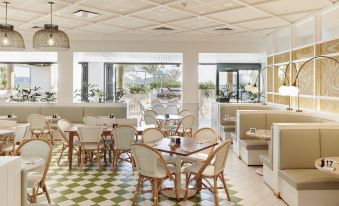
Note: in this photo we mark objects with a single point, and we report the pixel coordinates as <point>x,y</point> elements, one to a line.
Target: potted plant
<point>225,94</point>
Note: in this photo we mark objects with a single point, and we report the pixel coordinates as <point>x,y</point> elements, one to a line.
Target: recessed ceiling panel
<point>201,7</point>
<point>162,14</point>
<point>288,6</point>
<point>128,22</point>
<point>119,6</point>
<point>105,29</point>
<point>39,6</point>
<point>263,23</point>
<point>196,23</point>
<point>239,15</point>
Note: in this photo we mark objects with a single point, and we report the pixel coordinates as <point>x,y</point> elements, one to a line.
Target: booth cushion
<point>309,179</point>
<point>266,159</point>
<point>228,128</point>
<point>254,144</point>
<point>295,141</point>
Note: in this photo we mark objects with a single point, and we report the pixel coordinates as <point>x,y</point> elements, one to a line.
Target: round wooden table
<point>335,165</point>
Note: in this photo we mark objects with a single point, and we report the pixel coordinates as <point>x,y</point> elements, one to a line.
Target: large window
<point>28,82</point>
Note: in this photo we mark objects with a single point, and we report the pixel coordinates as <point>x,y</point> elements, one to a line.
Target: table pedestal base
<point>181,193</point>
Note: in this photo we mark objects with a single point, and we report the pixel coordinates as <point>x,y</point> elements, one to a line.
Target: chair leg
<point>225,186</point>
<point>33,197</point>
<point>44,188</point>
<point>187,184</point>
<point>137,189</point>
<point>62,151</point>
<point>98,160</point>
<point>215,191</point>
<point>155,192</point>
<point>83,154</point>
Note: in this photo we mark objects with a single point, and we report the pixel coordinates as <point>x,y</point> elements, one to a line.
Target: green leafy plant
<point>209,85</point>
<point>137,89</point>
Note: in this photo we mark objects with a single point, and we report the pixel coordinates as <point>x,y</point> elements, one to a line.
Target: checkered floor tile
<point>90,187</point>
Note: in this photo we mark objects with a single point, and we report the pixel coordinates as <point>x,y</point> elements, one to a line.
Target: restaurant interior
<point>169,102</point>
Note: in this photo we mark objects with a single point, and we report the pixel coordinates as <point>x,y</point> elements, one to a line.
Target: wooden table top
<point>260,134</point>
<point>187,146</point>
<point>171,117</point>
<point>335,165</point>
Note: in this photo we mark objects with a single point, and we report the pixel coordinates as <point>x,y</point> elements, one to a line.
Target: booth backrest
<point>104,111</point>
<point>22,111</point>
<point>231,110</point>
<point>71,112</point>
<point>299,148</point>
<point>265,119</point>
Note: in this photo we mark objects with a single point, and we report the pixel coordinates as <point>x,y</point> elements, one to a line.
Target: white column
<point>190,84</point>
<point>65,77</point>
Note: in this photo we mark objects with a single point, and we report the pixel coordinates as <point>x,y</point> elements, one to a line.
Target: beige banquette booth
<point>249,149</point>
<point>71,112</point>
<point>292,174</point>
<point>225,127</point>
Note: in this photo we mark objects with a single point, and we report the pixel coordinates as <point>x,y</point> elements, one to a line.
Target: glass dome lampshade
<point>50,38</point>
<point>10,40</point>
<point>283,90</point>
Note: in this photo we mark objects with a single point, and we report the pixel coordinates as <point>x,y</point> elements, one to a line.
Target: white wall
<point>41,77</point>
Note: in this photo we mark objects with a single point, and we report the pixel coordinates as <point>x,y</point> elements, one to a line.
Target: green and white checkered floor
<point>90,187</point>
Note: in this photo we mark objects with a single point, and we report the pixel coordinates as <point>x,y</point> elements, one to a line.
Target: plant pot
<point>99,100</point>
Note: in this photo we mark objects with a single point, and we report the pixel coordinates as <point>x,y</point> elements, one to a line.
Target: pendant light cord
<point>51,4</point>
<point>6,3</point>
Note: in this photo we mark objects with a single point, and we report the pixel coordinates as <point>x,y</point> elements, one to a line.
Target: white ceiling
<point>141,17</point>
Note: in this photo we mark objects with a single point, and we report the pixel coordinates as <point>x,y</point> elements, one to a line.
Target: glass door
<point>227,84</point>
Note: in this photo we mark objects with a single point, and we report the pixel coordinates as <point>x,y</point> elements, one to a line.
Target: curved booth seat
<point>293,176</point>
<point>224,127</point>
<point>250,151</point>
<point>72,112</point>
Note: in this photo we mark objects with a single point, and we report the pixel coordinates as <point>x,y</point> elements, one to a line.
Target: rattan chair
<point>151,166</point>
<point>123,137</point>
<point>40,127</point>
<point>62,125</point>
<point>37,180</point>
<point>90,138</point>
<point>7,142</point>
<point>90,120</point>
<point>203,135</point>
<point>208,170</point>
<point>185,126</point>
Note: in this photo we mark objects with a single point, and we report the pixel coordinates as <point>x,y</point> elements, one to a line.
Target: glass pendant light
<point>50,38</point>
<point>11,40</point>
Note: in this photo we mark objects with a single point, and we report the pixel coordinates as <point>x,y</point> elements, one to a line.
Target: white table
<point>28,165</point>
<point>5,117</point>
<point>262,134</point>
<point>334,173</point>
<point>52,119</point>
